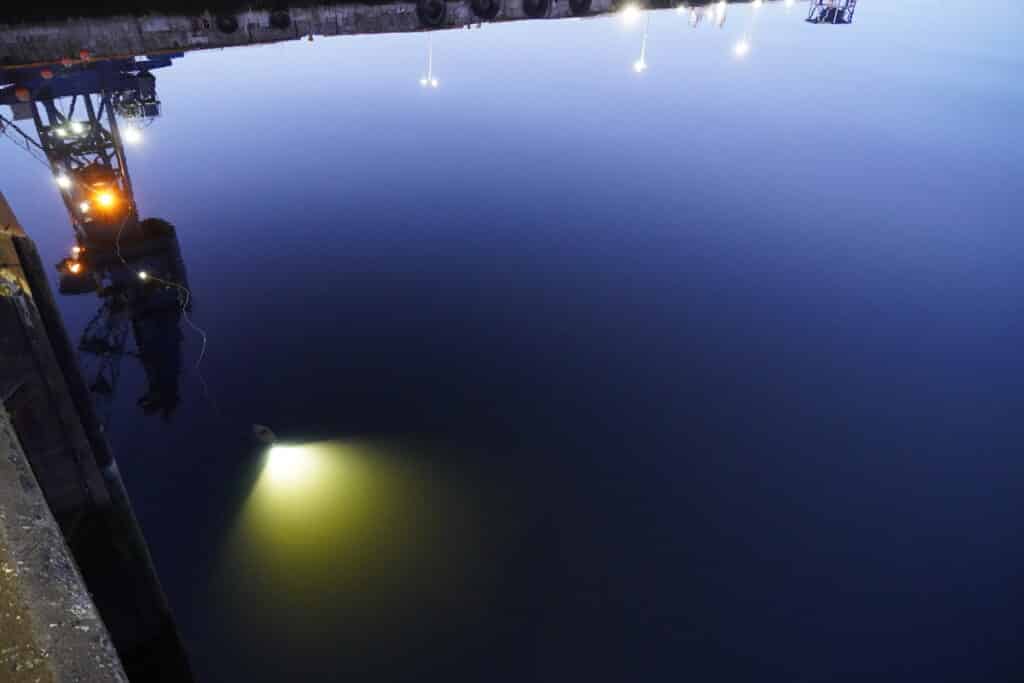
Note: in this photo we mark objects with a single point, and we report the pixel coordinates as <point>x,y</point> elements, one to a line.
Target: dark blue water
<point>711,371</point>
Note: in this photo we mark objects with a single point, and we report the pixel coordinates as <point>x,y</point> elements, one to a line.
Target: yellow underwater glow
<point>371,536</point>
<point>290,467</point>
<point>370,543</point>
<point>326,508</point>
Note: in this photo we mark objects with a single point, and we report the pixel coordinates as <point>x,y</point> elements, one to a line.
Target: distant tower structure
<point>832,11</point>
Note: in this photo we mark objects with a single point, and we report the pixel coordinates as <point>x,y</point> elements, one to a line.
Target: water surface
<point>708,370</point>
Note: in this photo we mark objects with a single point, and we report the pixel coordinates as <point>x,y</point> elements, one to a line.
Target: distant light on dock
<point>629,14</point>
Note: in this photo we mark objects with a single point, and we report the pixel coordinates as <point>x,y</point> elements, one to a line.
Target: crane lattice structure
<point>77,111</point>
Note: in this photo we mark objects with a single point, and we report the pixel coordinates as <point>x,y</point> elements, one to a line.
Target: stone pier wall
<point>50,630</point>
<point>64,514</point>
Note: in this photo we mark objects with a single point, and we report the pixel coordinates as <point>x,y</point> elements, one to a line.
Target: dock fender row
<point>280,19</point>
<point>226,23</point>
<point>536,9</point>
<point>580,7</point>
<point>431,13</point>
<point>487,10</point>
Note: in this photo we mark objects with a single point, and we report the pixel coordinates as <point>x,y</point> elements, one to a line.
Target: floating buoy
<point>83,55</point>
<point>66,62</point>
<point>46,74</point>
<point>264,434</point>
<point>22,94</point>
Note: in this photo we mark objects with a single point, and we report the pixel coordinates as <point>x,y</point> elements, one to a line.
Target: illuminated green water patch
<point>360,544</point>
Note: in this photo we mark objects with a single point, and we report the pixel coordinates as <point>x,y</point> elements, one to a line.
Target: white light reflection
<point>429,79</point>
<point>640,65</point>
<point>629,14</point>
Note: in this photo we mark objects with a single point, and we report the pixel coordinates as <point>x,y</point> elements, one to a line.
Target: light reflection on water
<point>353,543</point>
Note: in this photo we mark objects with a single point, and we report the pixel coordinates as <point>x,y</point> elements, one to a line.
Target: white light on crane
<point>77,128</point>
<point>84,207</point>
<point>639,66</point>
<point>132,135</point>
<point>741,48</point>
<point>143,275</point>
<point>63,182</point>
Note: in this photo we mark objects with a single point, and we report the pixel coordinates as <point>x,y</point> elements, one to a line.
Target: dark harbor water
<point>622,354</point>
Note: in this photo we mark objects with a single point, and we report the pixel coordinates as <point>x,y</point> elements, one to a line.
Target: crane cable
<point>184,298</point>
<point>25,141</point>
